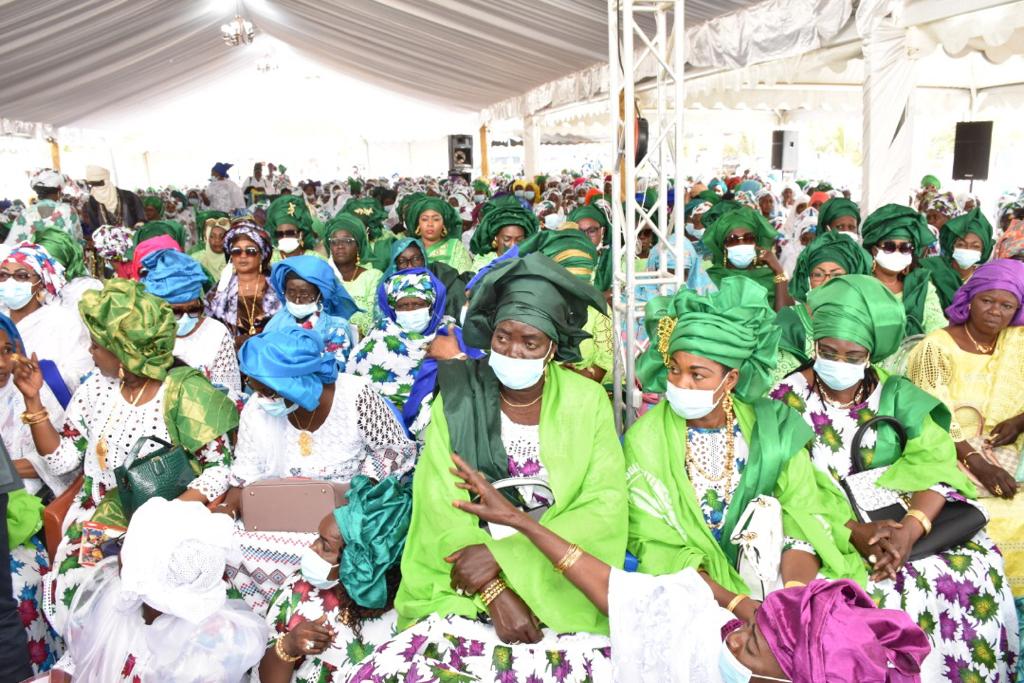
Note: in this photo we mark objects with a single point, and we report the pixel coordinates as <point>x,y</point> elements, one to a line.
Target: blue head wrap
<point>397,247</point>
<point>221,168</point>
<point>7,325</point>
<point>292,362</point>
<point>316,271</point>
<point>175,277</point>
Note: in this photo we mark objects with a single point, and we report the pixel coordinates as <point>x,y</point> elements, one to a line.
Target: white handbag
<point>499,531</point>
<point>759,537</point>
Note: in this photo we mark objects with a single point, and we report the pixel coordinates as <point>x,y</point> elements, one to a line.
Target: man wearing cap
<point>223,194</point>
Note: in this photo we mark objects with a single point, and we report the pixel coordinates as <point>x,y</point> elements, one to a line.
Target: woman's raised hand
<point>28,378</point>
<point>491,506</point>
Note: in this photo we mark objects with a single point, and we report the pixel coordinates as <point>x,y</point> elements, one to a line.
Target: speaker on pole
<point>784,150</point>
<point>971,150</point>
<point>460,153</point>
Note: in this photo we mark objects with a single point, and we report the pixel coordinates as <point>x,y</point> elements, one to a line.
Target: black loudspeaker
<point>784,150</point>
<point>460,152</point>
<point>971,150</point>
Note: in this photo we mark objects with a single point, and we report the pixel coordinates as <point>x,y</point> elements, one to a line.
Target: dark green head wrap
<point>173,229</point>
<point>858,309</point>
<point>370,211</point>
<point>405,202</point>
<point>570,249</point>
<point>536,291</point>
<point>717,210</point>
<point>832,247</point>
<point>134,325</point>
<point>733,326</point>
<point>895,221</point>
<point>709,196</point>
<point>290,209</point>
<point>835,208</point>
<point>591,211</point>
<point>202,217</point>
<point>355,186</point>
<point>346,222</point>
<point>64,249</point>
<point>449,214</point>
<point>495,215</point>
<point>481,186</point>
<point>742,217</point>
<point>955,228</point>
<point>156,203</point>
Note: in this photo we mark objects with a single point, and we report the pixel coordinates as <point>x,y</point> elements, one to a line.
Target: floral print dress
<point>29,563</point>
<point>960,598</point>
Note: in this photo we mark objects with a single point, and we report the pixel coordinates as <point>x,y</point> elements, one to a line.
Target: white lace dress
<point>522,444</point>
<point>56,333</point>
<point>210,349</point>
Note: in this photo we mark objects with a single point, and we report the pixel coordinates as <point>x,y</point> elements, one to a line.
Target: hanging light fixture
<point>238,31</point>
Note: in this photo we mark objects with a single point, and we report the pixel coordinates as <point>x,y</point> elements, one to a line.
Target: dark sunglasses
<point>19,276</point>
<point>743,238</point>
<point>287,233</point>
<point>248,251</point>
<point>891,247</point>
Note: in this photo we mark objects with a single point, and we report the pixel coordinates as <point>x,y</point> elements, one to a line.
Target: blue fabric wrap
<point>317,272</point>
<point>292,362</point>
<point>175,277</point>
<point>510,254</point>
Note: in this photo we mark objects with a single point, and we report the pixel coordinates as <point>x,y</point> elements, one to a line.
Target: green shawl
<point>915,290</point>
<point>195,412</point>
<point>762,275</point>
<point>942,273</point>
<point>590,508</point>
<point>795,322</point>
<point>667,531</point>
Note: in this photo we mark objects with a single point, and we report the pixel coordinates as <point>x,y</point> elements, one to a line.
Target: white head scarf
<point>105,194</point>
<point>46,177</point>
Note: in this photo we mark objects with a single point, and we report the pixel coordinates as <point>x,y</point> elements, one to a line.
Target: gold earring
<point>417,231</point>
<point>444,232</point>
<point>120,372</point>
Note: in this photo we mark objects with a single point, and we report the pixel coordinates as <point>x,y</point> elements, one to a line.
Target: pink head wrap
<point>146,247</point>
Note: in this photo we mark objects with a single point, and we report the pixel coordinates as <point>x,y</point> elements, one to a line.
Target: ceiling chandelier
<point>238,31</point>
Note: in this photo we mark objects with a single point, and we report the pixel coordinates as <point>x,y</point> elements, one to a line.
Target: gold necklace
<point>306,436</point>
<point>831,401</point>
<point>730,451</point>
<point>977,346</point>
<point>251,311</point>
<point>521,405</point>
<point>102,447</point>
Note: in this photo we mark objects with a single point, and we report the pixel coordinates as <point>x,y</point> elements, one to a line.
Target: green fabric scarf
<point>915,290</point>
<point>762,275</point>
<point>944,276</point>
<point>795,322</point>
<point>24,518</point>
<point>195,412</point>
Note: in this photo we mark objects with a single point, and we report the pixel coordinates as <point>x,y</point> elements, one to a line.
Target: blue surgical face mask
<point>316,569</point>
<point>965,258</point>
<point>415,320</point>
<point>276,407</point>
<point>696,232</point>
<point>186,323</point>
<point>518,373</point>
<point>733,671</point>
<point>302,311</point>
<point>14,294</point>
<point>742,255</point>
<point>838,375</point>
<point>692,404</point>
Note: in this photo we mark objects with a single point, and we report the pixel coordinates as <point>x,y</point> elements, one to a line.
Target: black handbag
<point>955,524</point>
<point>165,473</point>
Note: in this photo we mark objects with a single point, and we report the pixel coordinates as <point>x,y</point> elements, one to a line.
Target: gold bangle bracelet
<point>780,278</point>
<point>926,523</point>
<point>734,603</point>
<point>794,584</point>
<point>281,654</point>
<point>492,590</point>
<point>572,554</point>
<point>34,418</point>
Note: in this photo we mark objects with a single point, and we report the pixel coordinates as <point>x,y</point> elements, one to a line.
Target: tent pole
<point>54,153</point>
<point>485,166</point>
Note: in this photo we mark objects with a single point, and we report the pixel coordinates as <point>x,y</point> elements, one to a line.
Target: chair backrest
<point>54,514</point>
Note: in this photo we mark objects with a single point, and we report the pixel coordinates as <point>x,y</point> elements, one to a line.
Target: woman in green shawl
<point>213,225</point>
<point>960,597</point>
<point>135,394</point>
<point>503,223</point>
<point>897,238</point>
<point>593,222</point>
<point>695,460</point>
<point>290,226</point>
<point>742,243</point>
<point>840,215</point>
<point>829,256</point>
<point>506,415</point>
<point>371,212</point>
<point>439,225</point>
<point>966,242</point>
<point>350,259</point>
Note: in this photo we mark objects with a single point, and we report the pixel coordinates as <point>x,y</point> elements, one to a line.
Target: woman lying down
<point>674,628</point>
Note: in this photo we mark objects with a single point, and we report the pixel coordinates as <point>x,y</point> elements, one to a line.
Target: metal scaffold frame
<point>662,57</point>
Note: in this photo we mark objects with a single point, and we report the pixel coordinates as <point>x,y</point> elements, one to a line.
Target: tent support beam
<point>485,166</point>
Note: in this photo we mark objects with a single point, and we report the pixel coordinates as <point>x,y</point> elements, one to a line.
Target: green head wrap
<point>717,210</point>
<point>709,196</point>
<point>355,186</point>
<point>536,291</point>
<point>449,214</point>
<point>173,229</point>
<point>591,211</point>
<point>742,217</point>
<point>495,215</point>
<point>858,309</point>
<point>481,186</point>
<point>202,217</point>
<point>156,203</point>
<point>832,247</point>
<point>833,209</point>
<point>290,209</point>
<point>346,222</point>
<point>405,202</point>
<point>931,180</point>
<point>895,221</point>
<point>373,524</point>
<point>956,228</point>
<point>370,212</point>
<point>733,326</point>
<point>134,325</point>
<point>65,249</point>
<point>570,249</point>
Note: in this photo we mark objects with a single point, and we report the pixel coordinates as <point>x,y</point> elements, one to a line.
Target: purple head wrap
<point>1005,274</point>
<point>831,630</point>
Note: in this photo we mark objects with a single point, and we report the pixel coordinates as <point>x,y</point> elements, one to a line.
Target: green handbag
<point>165,473</point>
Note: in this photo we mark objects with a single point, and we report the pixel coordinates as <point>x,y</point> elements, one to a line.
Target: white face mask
<point>287,245</point>
<point>894,262</point>
<point>553,221</point>
<point>529,194</point>
<point>15,295</point>
<point>302,311</point>
<point>965,258</point>
<point>692,404</point>
<point>316,569</point>
<point>415,320</point>
<point>518,373</point>
<point>855,236</point>
<point>479,198</point>
<point>733,671</point>
<point>519,194</point>
<point>838,375</point>
<point>696,232</point>
<point>741,255</point>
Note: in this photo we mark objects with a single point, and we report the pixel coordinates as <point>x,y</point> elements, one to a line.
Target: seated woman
<point>30,285</point>
<point>897,238</point>
<point>305,420</point>
<point>243,299</point>
<point>332,613</point>
<point>290,226</point>
<point>965,242</point>
<point>742,243</point>
<point>695,461</point>
<point>200,341</point>
<point>68,252</point>
<point>314,300</point>
<point>439,225</point>
<point>830,255</point>
<point>674,628</point>
<point>164,615</point>
<point>134,394</point>
<point>503,223</point>
<point>409,252</point>
<point>974,367</point>
<point>350,260</point>
<point>372,215</point>
<point>839,215</point>
<point>595,224</point>
<point>857,323</point>
<point>214,225</point>
<point>507,414</point>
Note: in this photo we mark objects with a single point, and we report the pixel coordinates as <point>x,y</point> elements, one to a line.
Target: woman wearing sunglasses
<point>898,237</point>
<point>243,299</point>
<point>210,253</point>
<point>291,228</point>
